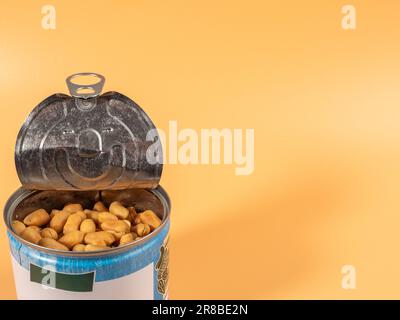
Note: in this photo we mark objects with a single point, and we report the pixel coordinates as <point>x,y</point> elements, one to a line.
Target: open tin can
<point>85,148</point>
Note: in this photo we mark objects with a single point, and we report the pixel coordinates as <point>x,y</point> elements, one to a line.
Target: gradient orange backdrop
<point>324,104</point>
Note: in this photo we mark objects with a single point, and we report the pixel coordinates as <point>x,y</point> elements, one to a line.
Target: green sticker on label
<point>82,282</point>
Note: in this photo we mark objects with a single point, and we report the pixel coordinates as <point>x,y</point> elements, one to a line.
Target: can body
<point>136,272</point>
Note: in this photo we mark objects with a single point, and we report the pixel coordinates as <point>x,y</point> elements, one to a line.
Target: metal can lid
<point>88,141</point>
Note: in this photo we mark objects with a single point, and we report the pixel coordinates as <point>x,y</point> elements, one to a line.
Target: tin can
<point>104,160</point>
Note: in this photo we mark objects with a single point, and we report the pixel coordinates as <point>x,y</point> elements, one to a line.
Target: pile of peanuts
<point>76,229</point>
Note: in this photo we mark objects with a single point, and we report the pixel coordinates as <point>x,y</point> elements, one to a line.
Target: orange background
<point>324,103</point>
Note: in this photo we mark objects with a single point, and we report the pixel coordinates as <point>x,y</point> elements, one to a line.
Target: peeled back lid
<point>88,141</point>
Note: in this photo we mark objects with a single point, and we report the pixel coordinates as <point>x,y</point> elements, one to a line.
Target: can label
<point>138,273</point>
<point>47,285</point>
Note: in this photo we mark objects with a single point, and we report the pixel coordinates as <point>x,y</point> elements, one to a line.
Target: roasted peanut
<point>87,226</point>
<point>18,227</point>
<point>73,207</point>
<point>127,238</point>
<point>38,218</point>
<point>49,233</point>
<point>79,247</point>
<point>38,229</point>
<point>132,210</point>
<point>91,214</point>
<point>31,234</point>
<point>132,214</point>
<point>99,238</point>
<point>117,209</point>
<point>59,220</point>
<point>82,214</point>
<point>99,206</point>
<point>141,229</point>
<point>116,226</point>
<point>150,218</point>
<point>104,216</point>
<point>72,238</point>
<point>73,223</point>
<point>53,213</point>
<point>52,244</point>
<point>91,247</point>
<point>117,235</point>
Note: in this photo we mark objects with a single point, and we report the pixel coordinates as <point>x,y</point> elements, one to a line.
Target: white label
<point>135,286</point>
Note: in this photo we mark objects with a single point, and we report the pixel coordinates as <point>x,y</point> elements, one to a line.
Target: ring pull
<point>85,91</point>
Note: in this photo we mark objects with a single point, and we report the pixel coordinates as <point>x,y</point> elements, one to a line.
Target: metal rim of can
<point>21,194</point>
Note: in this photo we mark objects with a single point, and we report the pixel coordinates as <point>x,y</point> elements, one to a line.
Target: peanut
<point>141,229</point>
<point>91,247</point>
<point>79,247</point>
<point>127,238</point>
<point>104,216</point>
<point>82,214</point>
<point>94,215</point>
<point>52,244</point>
<point>132,210</point>
<point>117,209</point>
<point>117,235</point>
<point>99,206</point>
<point>87,226</point>
<point>31,234</point>
<point>53,213</point>
<point>38,229</point>
<point>99,238</point>
<point>132,214</point>
<point>59,220</point>
<point>38,218</point>
<point>128,223</point>
<point>72,238</point>
<point>150,218</point>
<point>18,227</point>
<point>116,226</point>
<point>73,223</point>
<point>73,207</point>
<point>49,233</point>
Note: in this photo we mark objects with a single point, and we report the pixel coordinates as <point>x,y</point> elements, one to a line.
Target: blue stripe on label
<point>15,246</point>
<point>106,267</point>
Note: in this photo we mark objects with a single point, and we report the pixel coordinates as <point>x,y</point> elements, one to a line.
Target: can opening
<point>141,199</point>
<point>26,201</point>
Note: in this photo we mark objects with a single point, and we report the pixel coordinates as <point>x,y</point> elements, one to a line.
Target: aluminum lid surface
<point>88,141</point>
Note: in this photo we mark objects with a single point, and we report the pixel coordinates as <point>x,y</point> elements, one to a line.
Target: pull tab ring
<point>85,91</point>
